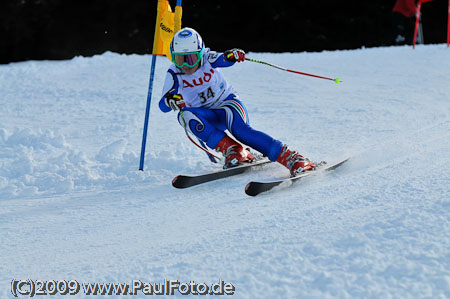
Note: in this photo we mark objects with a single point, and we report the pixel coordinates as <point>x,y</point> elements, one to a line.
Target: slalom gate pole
<point>336,80</point>
<point>419,4</point>
<point>448,25</point>
<point>147,112</point>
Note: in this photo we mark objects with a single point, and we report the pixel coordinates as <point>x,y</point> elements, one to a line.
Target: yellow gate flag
<point>167,23</point>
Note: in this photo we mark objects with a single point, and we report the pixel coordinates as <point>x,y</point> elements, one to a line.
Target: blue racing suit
<point>212,106</point>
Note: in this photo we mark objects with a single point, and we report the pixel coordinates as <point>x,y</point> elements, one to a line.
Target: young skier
<point>195,85</point>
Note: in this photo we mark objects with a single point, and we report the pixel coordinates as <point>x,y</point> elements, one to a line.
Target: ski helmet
<point>187,48</point>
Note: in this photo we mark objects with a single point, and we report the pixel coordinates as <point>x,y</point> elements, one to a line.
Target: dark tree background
<point>62,29</point>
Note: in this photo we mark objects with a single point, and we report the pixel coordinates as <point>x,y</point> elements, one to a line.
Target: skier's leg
<point>238,124</point>
<point>205,124</point>
<point>235,115</point>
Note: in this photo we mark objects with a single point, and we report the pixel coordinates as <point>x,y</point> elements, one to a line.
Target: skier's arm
<point>170,85</point>
<point>226,59</point>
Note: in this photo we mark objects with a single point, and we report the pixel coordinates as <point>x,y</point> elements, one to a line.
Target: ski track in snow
<point>74,206</point>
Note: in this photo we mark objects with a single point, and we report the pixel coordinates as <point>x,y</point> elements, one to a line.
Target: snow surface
<point>74,206</point>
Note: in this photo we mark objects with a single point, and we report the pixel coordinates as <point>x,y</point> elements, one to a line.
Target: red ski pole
<point>336,80</point>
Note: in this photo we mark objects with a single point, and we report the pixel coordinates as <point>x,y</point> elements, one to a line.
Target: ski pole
<point>336,80</point>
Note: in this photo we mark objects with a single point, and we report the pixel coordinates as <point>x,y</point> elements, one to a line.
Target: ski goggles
<point>190,59</point>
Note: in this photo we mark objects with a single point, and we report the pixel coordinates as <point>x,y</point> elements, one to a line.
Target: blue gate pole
<point>147,113</point>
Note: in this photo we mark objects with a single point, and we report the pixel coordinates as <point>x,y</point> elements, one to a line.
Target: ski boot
<point>233,152</point>
<point>293,161</point>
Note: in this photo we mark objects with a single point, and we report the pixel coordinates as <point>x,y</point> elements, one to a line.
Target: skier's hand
<point>234,55</point>
<point>174,101</point>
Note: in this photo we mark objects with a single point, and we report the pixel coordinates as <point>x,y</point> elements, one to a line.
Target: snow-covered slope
<point>74,206</point>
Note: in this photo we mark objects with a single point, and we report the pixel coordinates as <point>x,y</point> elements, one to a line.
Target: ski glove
<point>234,55</point>
<point>174,101</point>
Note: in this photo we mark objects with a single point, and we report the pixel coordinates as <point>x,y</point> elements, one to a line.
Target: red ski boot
<point>233,152</point>
<point>295,162</point>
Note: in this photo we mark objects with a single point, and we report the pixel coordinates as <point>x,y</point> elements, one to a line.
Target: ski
<point>255,188</point>
<point>186,181</point>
